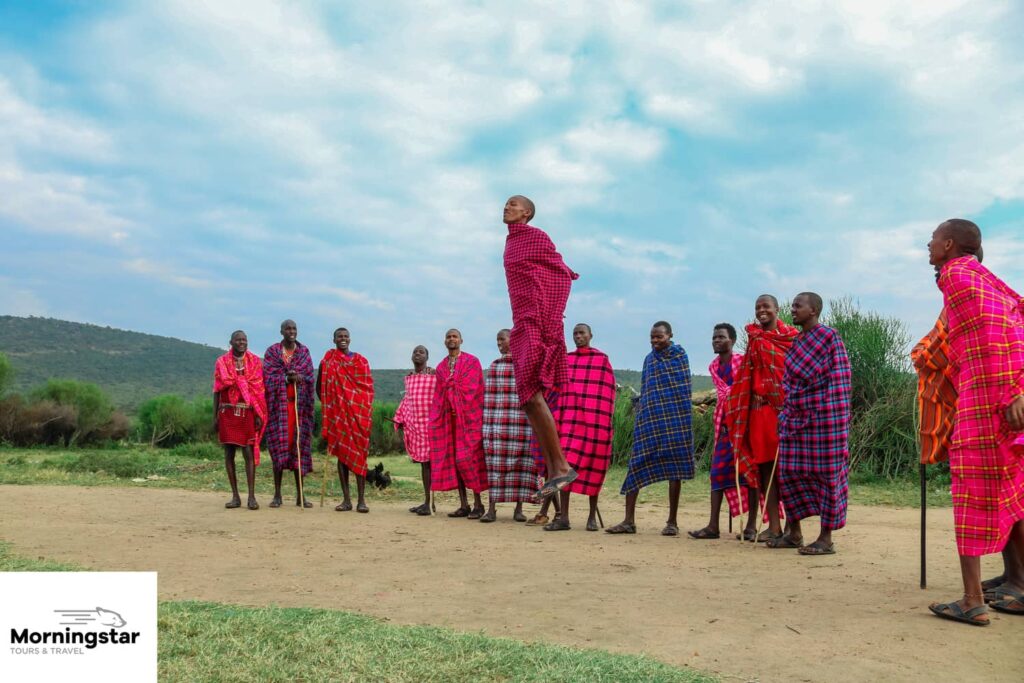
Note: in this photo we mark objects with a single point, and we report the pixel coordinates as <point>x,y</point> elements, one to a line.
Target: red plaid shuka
<point>346,387</point>
<point>754,431</point>
<point>511,471</point>
<point>585,411</point>
<point>456,424</point>
<point>538,289</point>
<point>814,428</point>
<point>986,353</point>
<point>282,428</point>
<point>237,390</point>
<point>413,414</point>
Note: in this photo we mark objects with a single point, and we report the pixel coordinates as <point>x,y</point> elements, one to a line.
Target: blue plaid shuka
<point>663,431</point>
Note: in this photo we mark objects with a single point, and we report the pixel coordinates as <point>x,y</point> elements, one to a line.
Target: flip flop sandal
<point>1004,606</point>
<point>459,512</point>
<point>557,525</point>
<point>275,503</point>
<point>424,511</point>
<point>253,505</point>
<point>1004,593</point>
<point>307,504</point>
<point>702,534</point>
<point>592,525</point>
<point>552,486</point>
<point>748,535</point>
<point>362,508</point>
<point>766,535</point>
<point>343,507</point>
<point>538,520</point>
<point>232,504</point>
<point>953,612</point>
<point>415,509</point>
<point>519,517</point>
<point>621,528</point>
<point>994,582</point>
<point>488,518</point>
<point>783,542</point>
<point>813,549</point>
<point>670,530</point>
<point>476,513</point>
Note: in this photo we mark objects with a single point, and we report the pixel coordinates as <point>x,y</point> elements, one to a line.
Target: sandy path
<point>744,613</point>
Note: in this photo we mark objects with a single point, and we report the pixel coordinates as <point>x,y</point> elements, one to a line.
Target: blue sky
<point>186,168</point>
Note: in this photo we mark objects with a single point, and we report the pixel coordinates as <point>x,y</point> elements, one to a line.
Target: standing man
<point>986,455</point>
<point>814,427</point>
<point>724,480</point>
<point>413,417</point>
<point>585,415</point>
<point>511,471</point>
<point>239,412</point>
<point>663,432</point>
<point>344,385</point>
<point>752,412</point>
<point>290,381</point>
<point>538,289</point>
<point>456,427</point>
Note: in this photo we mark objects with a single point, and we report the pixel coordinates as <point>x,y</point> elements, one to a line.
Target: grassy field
<point>200,467</point>
<point>203,642</point>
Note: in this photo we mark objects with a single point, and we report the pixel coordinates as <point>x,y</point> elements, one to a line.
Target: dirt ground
<point>745,613</point>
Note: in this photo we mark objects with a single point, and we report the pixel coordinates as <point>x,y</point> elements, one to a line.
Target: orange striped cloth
<point>936,395</point>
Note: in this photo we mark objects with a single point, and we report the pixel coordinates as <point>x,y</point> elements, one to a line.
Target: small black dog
<point>378,477</point>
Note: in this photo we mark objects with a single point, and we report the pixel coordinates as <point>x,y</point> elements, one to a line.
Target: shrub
<point>383,437</point>
<point>93,409</point>
<point>165,420</point>
<point>6,373</point>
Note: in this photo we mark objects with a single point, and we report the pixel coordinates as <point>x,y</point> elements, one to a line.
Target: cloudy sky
<point>186,168</point>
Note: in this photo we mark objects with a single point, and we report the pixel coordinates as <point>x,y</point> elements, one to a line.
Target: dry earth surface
<point>744,613</point>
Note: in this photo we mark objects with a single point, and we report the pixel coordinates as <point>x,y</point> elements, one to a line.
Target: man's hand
<point>1015,414</point>
<point>293,377</point>
<point>257,422</point>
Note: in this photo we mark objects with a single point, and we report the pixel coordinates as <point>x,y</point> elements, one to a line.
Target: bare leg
<point>250,476</point>
<point>343,480</point>
<point>463,500</point>
<point>361,492</point>
<point>298,486</point>
<point>543,425</point>
<point>425,474</point>
<point>563,513</point>
<point>229,465</point>
<point>1013,560</point>
<point>276,501</point>
<point>716,511</point>
<point>478,503</point>
<point>630,517</point>
<point>674,486</point>
<point>592,519</point>
<point>753,501</point>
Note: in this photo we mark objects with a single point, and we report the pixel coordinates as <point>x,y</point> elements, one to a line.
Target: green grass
<point>211,642</point>
<point>200,467</point>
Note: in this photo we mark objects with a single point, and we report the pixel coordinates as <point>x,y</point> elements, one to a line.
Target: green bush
<point>6,373</point>
<point>883,434</point>
<point>83,411</point>
<point>167,420</point>
<point>383,437</point>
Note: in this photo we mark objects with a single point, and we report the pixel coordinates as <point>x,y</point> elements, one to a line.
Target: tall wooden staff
<point>767,492</point>
<point>298,447</point>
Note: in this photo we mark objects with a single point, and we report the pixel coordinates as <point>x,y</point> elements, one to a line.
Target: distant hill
<point>133,367</point>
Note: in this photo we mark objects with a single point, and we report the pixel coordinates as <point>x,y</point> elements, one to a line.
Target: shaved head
<point>964,233</point>
<point>529,205</point>
<point>814,301</point>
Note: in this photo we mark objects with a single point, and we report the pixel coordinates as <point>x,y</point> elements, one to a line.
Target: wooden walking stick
<point>924,510</point>
<point>767,492</point>
<point>298,447</point>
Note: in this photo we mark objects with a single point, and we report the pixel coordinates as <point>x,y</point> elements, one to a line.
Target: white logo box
<point>78,626</point>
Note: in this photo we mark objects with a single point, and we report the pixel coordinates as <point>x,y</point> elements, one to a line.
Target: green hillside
<point>133,367</point>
